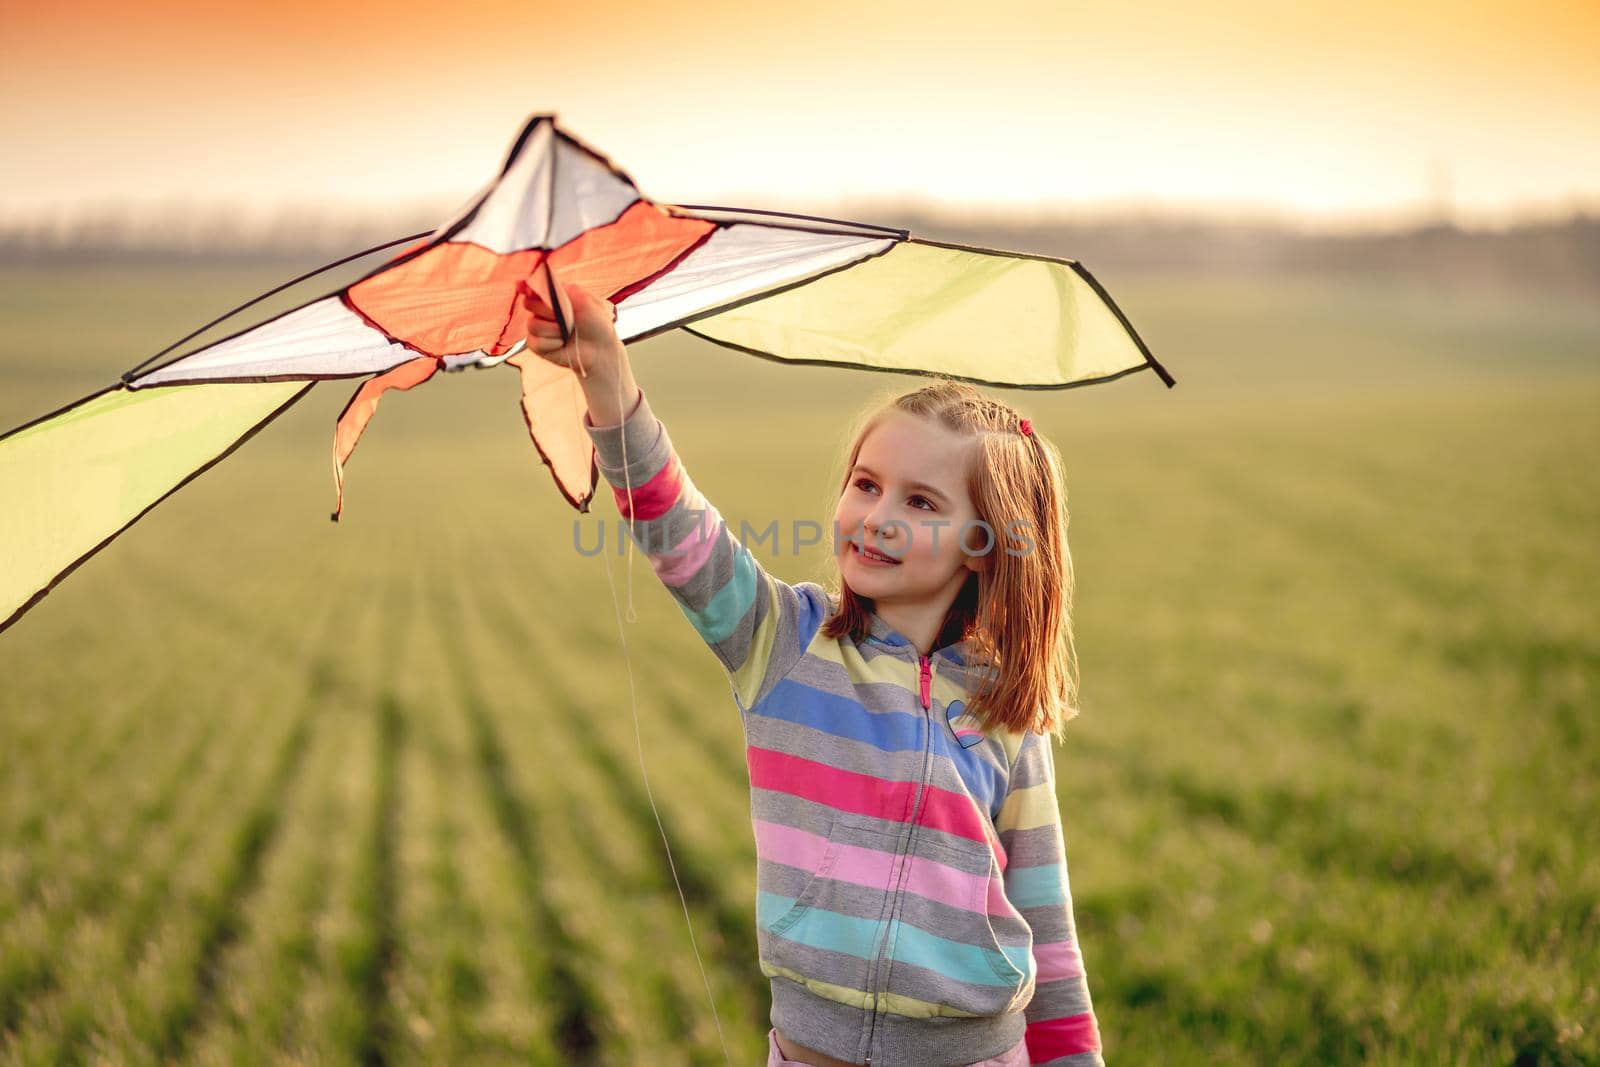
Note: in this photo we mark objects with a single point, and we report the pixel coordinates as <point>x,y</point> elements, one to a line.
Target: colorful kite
<point>788,287</point>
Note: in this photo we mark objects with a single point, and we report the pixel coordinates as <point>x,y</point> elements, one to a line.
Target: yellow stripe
<point>747,679</point>
<point>891,669</point>
<point>888,668</point>
<point>1011,741</point>
<point>943,689</point>
<point>895,1003</point>
<point>826,648</point>
<point>1027,808</point>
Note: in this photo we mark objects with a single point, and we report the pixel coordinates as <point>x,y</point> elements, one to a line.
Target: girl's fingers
<point>589,317</point>
<point>564,300</point>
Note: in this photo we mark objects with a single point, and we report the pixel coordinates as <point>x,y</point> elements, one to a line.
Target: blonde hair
<point>1017,609</point>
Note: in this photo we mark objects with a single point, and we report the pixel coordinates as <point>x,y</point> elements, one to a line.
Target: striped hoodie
<point>912,904</point>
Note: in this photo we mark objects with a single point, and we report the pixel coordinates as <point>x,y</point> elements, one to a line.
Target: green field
<point>278,790</point>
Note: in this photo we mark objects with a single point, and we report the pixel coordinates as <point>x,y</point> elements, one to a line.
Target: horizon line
<point>135,213</point>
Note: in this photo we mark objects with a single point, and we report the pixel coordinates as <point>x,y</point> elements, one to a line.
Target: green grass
<point>277,790</point>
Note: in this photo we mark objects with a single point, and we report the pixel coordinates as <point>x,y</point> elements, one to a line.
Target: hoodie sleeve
<point>1062,1030</point>
<point>756,625</point>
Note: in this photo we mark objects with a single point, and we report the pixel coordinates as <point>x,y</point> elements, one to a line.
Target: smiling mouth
<point>870,556</point>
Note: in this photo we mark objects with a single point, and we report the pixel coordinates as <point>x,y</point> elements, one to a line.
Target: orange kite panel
<point>457,298</point>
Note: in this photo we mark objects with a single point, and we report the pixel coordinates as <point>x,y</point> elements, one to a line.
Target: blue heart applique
<point>966,729</point>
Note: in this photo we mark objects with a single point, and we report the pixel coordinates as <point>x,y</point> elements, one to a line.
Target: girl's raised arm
<point>756,625</point>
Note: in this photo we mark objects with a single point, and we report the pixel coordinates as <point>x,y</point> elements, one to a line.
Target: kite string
<point>638,736</point>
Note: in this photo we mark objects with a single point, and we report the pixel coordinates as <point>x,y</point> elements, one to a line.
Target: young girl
<point>913,906</point>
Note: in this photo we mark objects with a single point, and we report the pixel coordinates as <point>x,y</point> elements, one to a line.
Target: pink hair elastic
<point>1026,426</point>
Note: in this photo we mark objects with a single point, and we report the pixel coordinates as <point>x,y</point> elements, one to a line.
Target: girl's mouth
<point>878,559</point>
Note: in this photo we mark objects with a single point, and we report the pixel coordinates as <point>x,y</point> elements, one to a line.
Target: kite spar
<point>794,288</point>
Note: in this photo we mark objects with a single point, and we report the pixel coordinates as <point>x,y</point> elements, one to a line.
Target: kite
<point>794,288</point>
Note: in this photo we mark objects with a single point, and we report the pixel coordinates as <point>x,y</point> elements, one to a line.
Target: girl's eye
<point>866,484</point>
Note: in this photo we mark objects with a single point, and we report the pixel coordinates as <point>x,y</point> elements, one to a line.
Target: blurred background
<point>278,791</point>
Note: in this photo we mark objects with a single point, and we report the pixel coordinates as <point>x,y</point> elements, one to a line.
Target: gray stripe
<point>1056,1000</point>
<point>904,978</point>
<point>1034,847</point>
<point>857,757</point>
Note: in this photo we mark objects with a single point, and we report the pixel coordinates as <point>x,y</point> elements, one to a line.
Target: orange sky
<point>1331,110</point>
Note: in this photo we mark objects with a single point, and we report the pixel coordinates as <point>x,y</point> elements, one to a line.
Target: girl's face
<point>907,498</point>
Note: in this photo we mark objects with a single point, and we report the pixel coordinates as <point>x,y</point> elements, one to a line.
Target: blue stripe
<point>966,963</point>
<point>889,731</point>
<point>830,713</point>
<point>1032,887</point>
<point>814,608</point>
<point>824,929</point>
<point>985,781</point>
<point>717,619</point>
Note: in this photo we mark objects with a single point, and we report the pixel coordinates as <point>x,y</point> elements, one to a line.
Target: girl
<point>913,907</point>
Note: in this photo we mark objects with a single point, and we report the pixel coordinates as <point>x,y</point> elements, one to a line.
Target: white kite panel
<point>517,213</point>
<point>736,262</point>
<point>324,339</point>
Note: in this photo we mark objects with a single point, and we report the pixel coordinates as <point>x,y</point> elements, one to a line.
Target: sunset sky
<point>1331,112</point>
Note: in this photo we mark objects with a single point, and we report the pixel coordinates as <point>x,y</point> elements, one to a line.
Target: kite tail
<point>553,405</point>
<point>363,405</point>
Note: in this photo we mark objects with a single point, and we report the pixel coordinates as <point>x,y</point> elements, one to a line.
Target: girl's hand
<point>594,353</point>
<point>594,345</point>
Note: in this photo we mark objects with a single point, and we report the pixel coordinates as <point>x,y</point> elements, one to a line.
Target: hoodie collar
<point>884,634</point>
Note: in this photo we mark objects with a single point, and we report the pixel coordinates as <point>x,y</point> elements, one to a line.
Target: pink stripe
<point>1051,1038</point>
<point>860,865</point>
<point>1057,960</point>
<point>685,559</point>
<point>655,497</point>
<point>785,844</point>
<point>953,813</point>
<point>999,903</point>
<point>864,794</point>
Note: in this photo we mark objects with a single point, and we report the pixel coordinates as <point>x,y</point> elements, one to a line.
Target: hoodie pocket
<point>823,932</point>
<point>814,886</point>
<point>846,834</point>
<point>970,960</point>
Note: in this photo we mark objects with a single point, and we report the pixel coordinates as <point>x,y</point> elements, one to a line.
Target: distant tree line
<point>1554,256</point>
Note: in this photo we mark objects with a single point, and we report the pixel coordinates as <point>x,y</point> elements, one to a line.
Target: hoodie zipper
<point>926,677</point>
